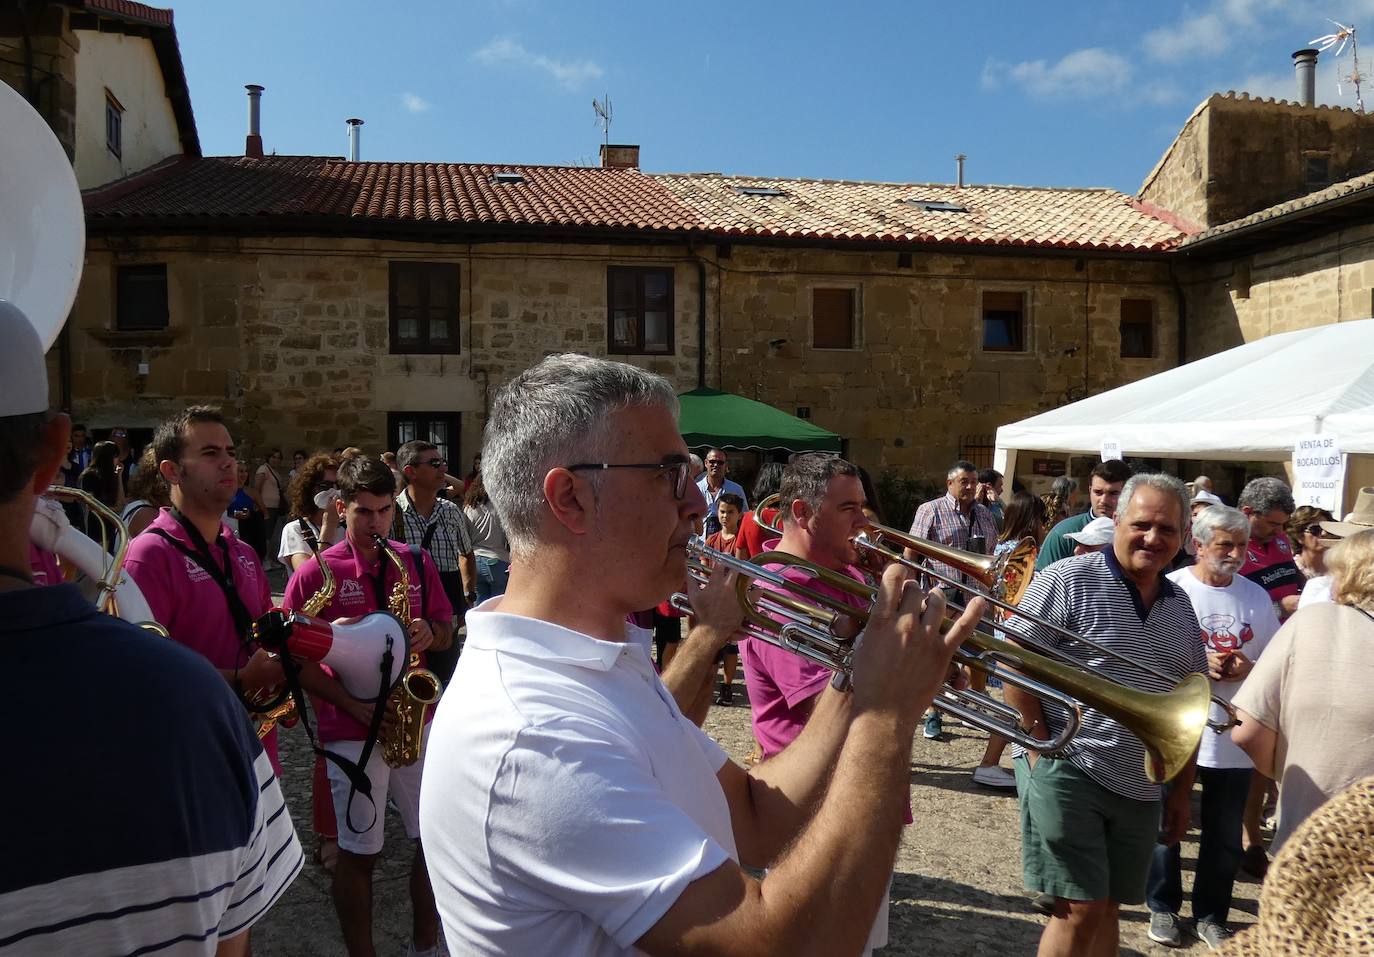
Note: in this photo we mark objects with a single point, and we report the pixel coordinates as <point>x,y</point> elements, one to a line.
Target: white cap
<point>1208,498</point>
<point>1099,531</point>
<point>23,371</point>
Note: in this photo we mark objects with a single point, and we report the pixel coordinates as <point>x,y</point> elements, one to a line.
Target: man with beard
<point>1236,620</point>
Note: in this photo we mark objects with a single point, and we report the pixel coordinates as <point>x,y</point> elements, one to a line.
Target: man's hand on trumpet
<point>904,658</point>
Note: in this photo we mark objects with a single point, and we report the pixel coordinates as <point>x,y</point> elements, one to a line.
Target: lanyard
<point>221,575</point>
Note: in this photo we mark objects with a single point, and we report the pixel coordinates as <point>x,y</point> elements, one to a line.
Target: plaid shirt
<point>452,535</point>
<point>940,520</point>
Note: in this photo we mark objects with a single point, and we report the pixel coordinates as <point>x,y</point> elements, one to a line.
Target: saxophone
<point>285,713</point>
<point>419,688</point>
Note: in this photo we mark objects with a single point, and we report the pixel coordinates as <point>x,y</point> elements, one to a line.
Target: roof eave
<point>1306,219</point>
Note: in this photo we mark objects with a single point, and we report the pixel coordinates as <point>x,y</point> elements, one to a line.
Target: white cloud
<point>568,74</point>
<point>1211,30</point>
<point>1083,73</point>
<point>414,104</point>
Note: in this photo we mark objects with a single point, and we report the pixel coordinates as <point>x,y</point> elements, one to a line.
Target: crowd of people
<point>564,799</point>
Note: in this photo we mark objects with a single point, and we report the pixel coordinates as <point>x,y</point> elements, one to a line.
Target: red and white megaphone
<point>353,650</point>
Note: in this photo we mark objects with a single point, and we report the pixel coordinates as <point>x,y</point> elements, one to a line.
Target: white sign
<point>1318,471</point>
<point>1111,449</point>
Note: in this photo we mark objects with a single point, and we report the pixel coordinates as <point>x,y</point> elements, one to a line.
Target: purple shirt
<point>355,594</point>
<point>189,603</point>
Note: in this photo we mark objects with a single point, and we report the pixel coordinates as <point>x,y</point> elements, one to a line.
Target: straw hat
<point>1319,896</point>
<point>1360,518</point>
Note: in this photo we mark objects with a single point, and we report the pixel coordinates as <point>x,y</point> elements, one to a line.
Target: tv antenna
<point>603,116</point>
<point>1345,37</point>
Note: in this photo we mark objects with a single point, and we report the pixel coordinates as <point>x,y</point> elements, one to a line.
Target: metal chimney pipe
<point>1305,66</point>
<point>354,134</point>
<point>959,164</point>
<point>253,144</point>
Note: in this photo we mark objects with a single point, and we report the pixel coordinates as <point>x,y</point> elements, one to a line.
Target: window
<point>639,310</point>
<point>1004,321</point>
<point>141,298</point>
<point>934,206</point>
<point>441,428</point>
<point>424,307</point>
<point>507,176</point>
<point>114,124</point>
<point>832,318</point>
<point>765,191</point>
<point>1317,170</point>
<point>1137,329</point>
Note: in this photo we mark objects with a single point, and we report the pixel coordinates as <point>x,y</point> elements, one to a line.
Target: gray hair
<point>1064,486</point>
<point>698,466</point>
<point>1265,495</point>
<point>806,479</point>
<point>1160,482</point>
<point>959,468</point>
<point>551,416</point>
<point>1220,518</point>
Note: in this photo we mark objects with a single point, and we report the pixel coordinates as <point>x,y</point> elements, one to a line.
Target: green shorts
<point>1080,841</point>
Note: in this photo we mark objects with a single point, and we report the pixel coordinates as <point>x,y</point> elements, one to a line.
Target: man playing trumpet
<point>569,807</point>
<point>363,583</point>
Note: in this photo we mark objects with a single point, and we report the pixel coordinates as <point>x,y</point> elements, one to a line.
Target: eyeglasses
<point>436,463</point>
<point>681,471</point>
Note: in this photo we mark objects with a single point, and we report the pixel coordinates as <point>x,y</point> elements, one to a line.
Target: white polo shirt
<point>566,801</point>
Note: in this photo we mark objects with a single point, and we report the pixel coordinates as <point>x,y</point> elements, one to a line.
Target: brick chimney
<point>252,147</point>
<point>617,156</point>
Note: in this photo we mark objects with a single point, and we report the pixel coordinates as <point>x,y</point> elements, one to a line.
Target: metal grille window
<point>424,307</point>
<point>832,318</point>
<point>440,428</point>
<point>141,298</point>
<point>1137,329</point>
<point>1004,321</point>
<point>639,307</point>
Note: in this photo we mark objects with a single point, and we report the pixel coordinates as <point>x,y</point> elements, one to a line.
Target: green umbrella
<point>711,417</point>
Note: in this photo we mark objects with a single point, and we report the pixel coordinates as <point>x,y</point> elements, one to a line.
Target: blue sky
<point>1046,94</point>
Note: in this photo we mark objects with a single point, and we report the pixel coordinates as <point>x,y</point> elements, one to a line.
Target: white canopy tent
<point>1249,403</point>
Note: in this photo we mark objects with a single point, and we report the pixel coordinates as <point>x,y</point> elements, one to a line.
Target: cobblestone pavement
<point>957,889</point>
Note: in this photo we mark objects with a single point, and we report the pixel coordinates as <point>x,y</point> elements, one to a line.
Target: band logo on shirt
<point>351,592</point>
<point>1219,632</point>
<point>193,571</point>
<point>249,569</point>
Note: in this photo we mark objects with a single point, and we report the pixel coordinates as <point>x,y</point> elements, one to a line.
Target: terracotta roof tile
<point>888,212</point>
<point>237,187</point>
<point>1344,190</point>
<point>704,204</point>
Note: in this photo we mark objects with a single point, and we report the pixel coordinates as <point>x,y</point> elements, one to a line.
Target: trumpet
<point>813,624</point>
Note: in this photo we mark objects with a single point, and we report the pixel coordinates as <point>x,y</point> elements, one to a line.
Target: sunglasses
<point>435,463</point>
<point>325,486</point>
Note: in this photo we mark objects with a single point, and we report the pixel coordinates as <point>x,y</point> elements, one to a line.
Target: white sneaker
<point>994,776</point>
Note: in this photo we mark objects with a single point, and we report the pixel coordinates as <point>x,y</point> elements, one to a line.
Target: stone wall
<point>1237,155</point>
<point>292,335</point>
<point>919,381</point>
<point>54,51</point>
<point>1294,286</point>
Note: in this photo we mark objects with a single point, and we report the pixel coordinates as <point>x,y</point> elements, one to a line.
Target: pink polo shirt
<point>355,593</point>
<point>779,681</point>
<point>43,564</point>
<point>187,602</point>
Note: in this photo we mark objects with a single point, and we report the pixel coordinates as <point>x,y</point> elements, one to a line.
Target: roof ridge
<point>880,182</point>
<point>428,163</point>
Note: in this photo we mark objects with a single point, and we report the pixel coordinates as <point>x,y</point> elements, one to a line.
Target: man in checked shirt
<point>440,527</point>
<point>958,521</point>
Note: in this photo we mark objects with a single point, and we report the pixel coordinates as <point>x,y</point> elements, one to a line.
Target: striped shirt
<point>157,826</point>
<point>451,537</point>
<point>1091,596</point>
<point>941,520</point>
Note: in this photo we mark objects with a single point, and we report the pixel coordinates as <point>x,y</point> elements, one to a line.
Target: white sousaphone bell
<point>42,248</point>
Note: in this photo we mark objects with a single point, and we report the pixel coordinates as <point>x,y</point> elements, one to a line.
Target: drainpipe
<point>1182,316</point>
<point>701,323</point>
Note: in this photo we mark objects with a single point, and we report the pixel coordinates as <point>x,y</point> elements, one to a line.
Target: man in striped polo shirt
<point>1089,817</point>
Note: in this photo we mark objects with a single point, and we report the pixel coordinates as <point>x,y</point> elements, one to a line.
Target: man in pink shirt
<point>821,502</point>
<point>363,581</point>
<point>203,584</point>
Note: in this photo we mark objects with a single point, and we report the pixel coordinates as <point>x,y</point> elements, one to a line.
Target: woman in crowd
<point>489,540</point>
<point>104,479</point>
<point>244,514</point>
<point>269,488</point>
<point>1061,500</point>
<point>1309,551</point>
<point>1307,718</point>
<point>753,530</point>
<point>310,496</point>
<point>147,494</point>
